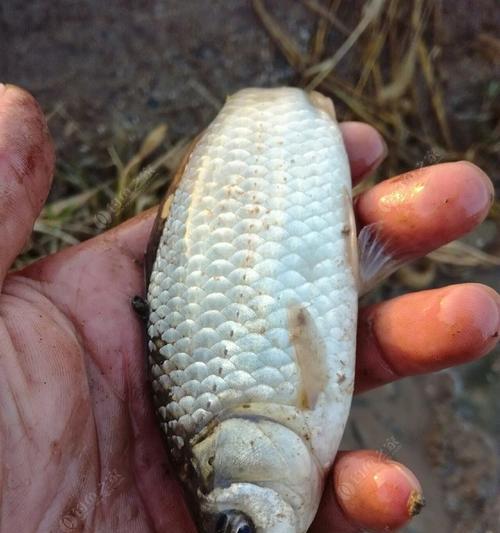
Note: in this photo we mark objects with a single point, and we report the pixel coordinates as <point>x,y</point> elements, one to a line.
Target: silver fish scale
<point>254,228</point>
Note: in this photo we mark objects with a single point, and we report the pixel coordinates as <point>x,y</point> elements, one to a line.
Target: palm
<point>80,450</point>
<point>80,421</point>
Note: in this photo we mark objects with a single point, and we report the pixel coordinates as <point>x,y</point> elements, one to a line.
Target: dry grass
<point>135,184</point>
<point>396,88</point>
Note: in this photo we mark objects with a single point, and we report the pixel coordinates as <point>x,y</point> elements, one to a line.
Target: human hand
<point>80,447</point>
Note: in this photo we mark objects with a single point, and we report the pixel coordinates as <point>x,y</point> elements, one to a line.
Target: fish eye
<point>233,522</point>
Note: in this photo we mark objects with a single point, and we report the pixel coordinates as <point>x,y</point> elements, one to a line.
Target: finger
<point>26,166</point>
<point>367,490</point>
<point>365,147</point>
<point>426,208</point>
<point>132,236</point>
<point>424,332</point>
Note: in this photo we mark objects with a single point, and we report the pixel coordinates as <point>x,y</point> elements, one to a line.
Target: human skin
<point>80,448</point>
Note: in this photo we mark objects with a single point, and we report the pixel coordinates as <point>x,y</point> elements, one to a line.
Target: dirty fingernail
<point>375,492</point>
<point>416,502</point>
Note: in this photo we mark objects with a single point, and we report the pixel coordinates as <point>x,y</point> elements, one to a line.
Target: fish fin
<point>320,101</point>
<point>310,356</point>
<point>376,258</point>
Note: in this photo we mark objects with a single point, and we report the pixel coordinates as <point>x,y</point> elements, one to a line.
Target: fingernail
<point>376,492</point>
<point>479,192</point>
<point>373,154</point>
<point>365,146</point>
<point>470,314</point>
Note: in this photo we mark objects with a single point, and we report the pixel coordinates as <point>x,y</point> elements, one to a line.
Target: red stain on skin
<point>26,166</point>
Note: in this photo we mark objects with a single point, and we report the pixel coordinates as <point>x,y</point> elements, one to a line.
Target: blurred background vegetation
<point>126,85</point>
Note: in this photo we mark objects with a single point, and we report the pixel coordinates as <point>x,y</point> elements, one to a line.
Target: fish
<point>253,277</point>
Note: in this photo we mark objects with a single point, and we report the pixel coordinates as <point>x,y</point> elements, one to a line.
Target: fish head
<point>260,477</point>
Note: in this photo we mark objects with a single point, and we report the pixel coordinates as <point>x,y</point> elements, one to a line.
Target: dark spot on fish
<point>159,343</point>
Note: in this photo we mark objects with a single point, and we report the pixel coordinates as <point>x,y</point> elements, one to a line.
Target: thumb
<point>26,167</point>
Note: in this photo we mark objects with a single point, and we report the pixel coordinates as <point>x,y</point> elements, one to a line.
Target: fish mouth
<point>229,521</point>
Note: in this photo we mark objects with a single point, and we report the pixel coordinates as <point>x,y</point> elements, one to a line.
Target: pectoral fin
<point>370,255</point>
<point>377,260</point>
<point>310,356</point>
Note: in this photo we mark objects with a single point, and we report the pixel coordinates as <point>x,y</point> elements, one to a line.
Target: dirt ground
<point>108,73</point>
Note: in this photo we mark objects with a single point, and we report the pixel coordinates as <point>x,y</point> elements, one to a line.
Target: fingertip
<point>26,168</point>
<point>365,148</point>
<point>376,492</point>
<point>425,208</point>
<point>25,141</point>
<point>425,332</point>
<point>450,326</point>
<point>471,311</point>
<point>486,193</point>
